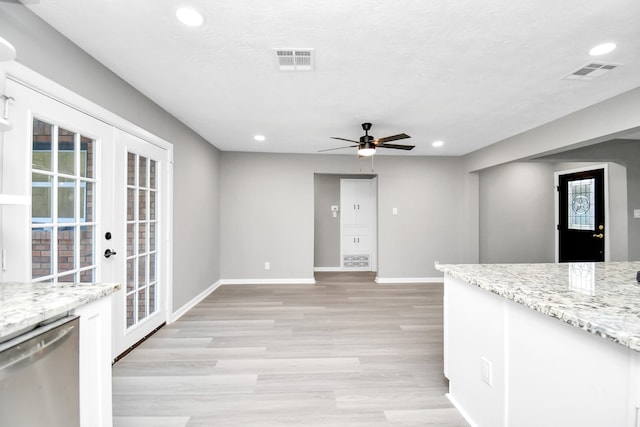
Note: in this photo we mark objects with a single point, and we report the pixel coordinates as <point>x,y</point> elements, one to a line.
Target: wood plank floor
<point>343,352</point>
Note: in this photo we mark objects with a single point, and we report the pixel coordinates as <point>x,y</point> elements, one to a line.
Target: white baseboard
<point>188,306</point>
<point>460,409</point>
<point>311,281</point>
<point>425,280</point>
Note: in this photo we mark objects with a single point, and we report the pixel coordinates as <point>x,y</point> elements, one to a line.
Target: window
<point>581,204</point>
<point>62,198</point>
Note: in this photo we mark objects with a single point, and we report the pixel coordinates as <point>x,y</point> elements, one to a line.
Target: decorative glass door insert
<point>142,250</point>
<point>63,225</point>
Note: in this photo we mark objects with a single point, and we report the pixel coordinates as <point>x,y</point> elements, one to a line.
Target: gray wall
<point>326,245</point>
<point>517,213</point>
<point>196,186</point>
<point>267,211</point>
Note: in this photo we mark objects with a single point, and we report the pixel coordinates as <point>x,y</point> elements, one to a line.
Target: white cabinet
<point>95,363</point>
<point>357,224</point>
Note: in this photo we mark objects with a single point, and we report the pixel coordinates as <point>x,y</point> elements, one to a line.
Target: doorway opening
<point>342,231</point>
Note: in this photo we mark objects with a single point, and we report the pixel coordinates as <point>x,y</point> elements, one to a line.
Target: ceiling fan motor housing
<point>366,138</point>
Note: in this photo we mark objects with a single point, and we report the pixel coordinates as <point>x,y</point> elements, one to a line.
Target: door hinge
<point>558,227</point>
<point>558,188</point>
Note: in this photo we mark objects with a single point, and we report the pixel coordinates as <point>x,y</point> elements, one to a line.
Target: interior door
<point>581,233</point>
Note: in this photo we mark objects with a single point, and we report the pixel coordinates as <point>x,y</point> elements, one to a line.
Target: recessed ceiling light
<point>602,49</point>
<point>437,143</point>
<point>259,137</point>
<point>189,16</point>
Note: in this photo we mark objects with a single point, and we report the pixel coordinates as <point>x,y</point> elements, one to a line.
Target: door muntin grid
<point>142,247</point>
<point>63,204</point>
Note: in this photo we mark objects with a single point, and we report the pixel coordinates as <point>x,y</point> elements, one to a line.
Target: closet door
<point>357,225</point>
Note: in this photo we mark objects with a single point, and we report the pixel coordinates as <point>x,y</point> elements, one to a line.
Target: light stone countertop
<point>601,298</point>
<point>25,305</point>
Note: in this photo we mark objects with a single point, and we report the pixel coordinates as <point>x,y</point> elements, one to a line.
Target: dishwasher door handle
<point>39,347</point>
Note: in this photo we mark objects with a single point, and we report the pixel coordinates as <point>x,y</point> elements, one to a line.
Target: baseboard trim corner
<point>461,410</point>
<point>188,306</point>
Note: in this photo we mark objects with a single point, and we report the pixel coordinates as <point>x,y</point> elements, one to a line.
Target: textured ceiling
<point>468,72</point>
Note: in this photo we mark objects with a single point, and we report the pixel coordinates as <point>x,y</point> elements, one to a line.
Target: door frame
<point>41,84</point>
<point>556,182</point>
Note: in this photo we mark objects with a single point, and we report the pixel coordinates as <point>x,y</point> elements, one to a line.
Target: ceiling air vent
<point>590,71</point>
<point>295,59</point>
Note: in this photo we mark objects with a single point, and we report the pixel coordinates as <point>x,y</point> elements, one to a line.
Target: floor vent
<point>295,59</point>
<point>355,261</point>
<point>590,71</point>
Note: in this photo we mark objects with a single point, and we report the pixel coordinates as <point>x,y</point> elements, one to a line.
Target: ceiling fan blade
<point>396,146</point>
<point>345,139</point>
<point>391,138</point>
<point>339,148</point>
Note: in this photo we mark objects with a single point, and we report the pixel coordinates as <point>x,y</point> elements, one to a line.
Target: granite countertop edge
<point>603,316</point>
<point>23,306</point>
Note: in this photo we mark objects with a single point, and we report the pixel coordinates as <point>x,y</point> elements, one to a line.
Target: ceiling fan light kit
<point>367,149</point>
<point>367,144</point>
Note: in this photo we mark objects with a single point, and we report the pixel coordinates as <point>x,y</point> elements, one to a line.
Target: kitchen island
<point>543,344</point>
<point>26,306</point>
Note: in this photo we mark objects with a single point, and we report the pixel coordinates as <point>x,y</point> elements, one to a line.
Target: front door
<point>581,233</point>
<point>97,211</point>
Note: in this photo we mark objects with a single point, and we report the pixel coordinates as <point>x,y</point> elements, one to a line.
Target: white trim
<point>460,410</point>
<point>12,199</point>
<point>195,301</point>
<point>37,82</point>
<point>556,182</point>
<point>424,280</point>
<point>268,281</point>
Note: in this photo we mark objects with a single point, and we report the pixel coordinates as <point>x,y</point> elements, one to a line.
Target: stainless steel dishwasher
<point>39,377</point>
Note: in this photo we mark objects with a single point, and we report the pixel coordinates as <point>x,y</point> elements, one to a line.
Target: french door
<point>96,211</point>
<point>140,206</point>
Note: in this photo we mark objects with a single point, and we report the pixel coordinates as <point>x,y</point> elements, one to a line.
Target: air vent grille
<point>590,71</point>
<point>295,59</point>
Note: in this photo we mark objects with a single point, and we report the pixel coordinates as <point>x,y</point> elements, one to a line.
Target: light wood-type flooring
<point>343,352</point>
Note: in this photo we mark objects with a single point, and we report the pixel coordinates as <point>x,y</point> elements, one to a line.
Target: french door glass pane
<point>41,197</point>
<point>86,246</point>
<point>66,152</point>
<point>41,151</point>
<point>41,252</point>
<point>66,249</point>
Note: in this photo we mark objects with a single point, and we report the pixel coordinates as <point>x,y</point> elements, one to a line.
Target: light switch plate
<point>394,211</point>
<point>636,213</point>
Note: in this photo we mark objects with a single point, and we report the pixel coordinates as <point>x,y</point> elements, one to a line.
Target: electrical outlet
<point>267,265</point>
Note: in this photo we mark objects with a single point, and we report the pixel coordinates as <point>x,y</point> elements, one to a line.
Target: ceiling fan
<point>368,144</point>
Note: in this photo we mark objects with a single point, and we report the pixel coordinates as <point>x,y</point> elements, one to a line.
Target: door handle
<point>108,253</point>
<point>599,236</point>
